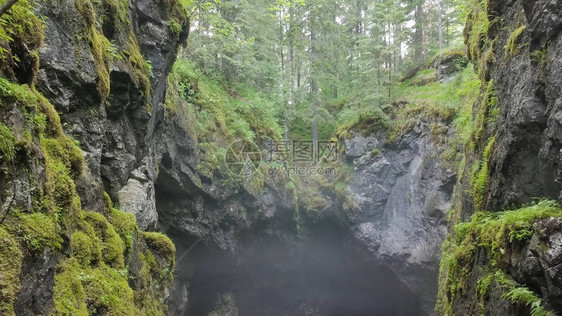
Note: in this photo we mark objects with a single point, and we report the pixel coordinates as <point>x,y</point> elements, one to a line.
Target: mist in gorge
<point>326,273</point>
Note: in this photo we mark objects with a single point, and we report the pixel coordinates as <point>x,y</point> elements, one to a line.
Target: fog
<point>325,273</point>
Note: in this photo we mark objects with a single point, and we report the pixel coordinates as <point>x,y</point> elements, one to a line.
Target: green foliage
<point>39,231</point>
<point>476,29</point>
<point>539,56</point>
<point>479,178</point>
<point>527,297</point>
<point>7,144</point>
<point>85,248</point>
<point>162,245</point>
<point>438,104</point>
<point>364,121</point>
<point>511,47</point>
<point>99,45</point>
<point>21,25</point>
<point>215,117</point>
<point>112,246</point>
<point>10,269</point>
<point>493,232</point>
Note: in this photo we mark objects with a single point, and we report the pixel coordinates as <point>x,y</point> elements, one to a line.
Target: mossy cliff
<point>502,253</point>
<point>65,249</point>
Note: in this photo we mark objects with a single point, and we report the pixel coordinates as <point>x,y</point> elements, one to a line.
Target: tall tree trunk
<point>440,23</point>
<point>314,94</point>
<point>419,50</point>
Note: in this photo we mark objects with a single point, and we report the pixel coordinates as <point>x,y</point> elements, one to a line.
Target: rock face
<point>518,140</point>
<point>116,134</point>
<point>103,67</point>
<point>526,161</point>
<point>403,194</point>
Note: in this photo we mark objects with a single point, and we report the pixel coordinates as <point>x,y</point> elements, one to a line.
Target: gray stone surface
<point>403,193</point>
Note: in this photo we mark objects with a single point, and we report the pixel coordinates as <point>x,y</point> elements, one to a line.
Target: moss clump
<point>14,92</point>
<point>40,231</point>
<point>486,106</point>
<point>69,295</point>
<point>63,149</point>
<point>99,45</point>
<point>7,144</point>
<point>494,233</point>
<point>107,291</point>
<point>60,185</point>
<point>161,245</point>
<point>365,121</point>
<point>113,246</point>
<point>125,225</point>
<point>84,248</point>
<point>479,178</point>
<point>511,47</point>
<point>10,269</point>
<point>476,29</point>
<point>83,290</point>
<point>20,26</point>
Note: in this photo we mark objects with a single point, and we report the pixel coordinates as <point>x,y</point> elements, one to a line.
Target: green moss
<point>113,246</point>
<point>476,29</point>
<point>125,225</point>
<point>511,47</point>
<point>59,184</point>
<point>162,245</point>
<point>40,231</point>
<point>217,117</point>
<point>92,291</point>
<point>365,121</point>
<point>486,105</point>
<point>141,69</point>
<point>107,292</point>
<point>20,25</point>
<point>99,45</point>
<point>14,92</point>
<point>69,296</point>
<point>86,249</point>
<point>494,233</point>
<point>539,56</point>
<point>10,269</point>
<point>64,150</point>
<point>479,178</point>
<point>7,143</point>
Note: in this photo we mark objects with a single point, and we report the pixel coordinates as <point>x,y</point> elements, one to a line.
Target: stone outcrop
<point>403,193</point>
<point>515,158</point>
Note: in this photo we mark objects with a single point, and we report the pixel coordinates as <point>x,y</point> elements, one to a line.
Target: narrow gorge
<point>290,157</point>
